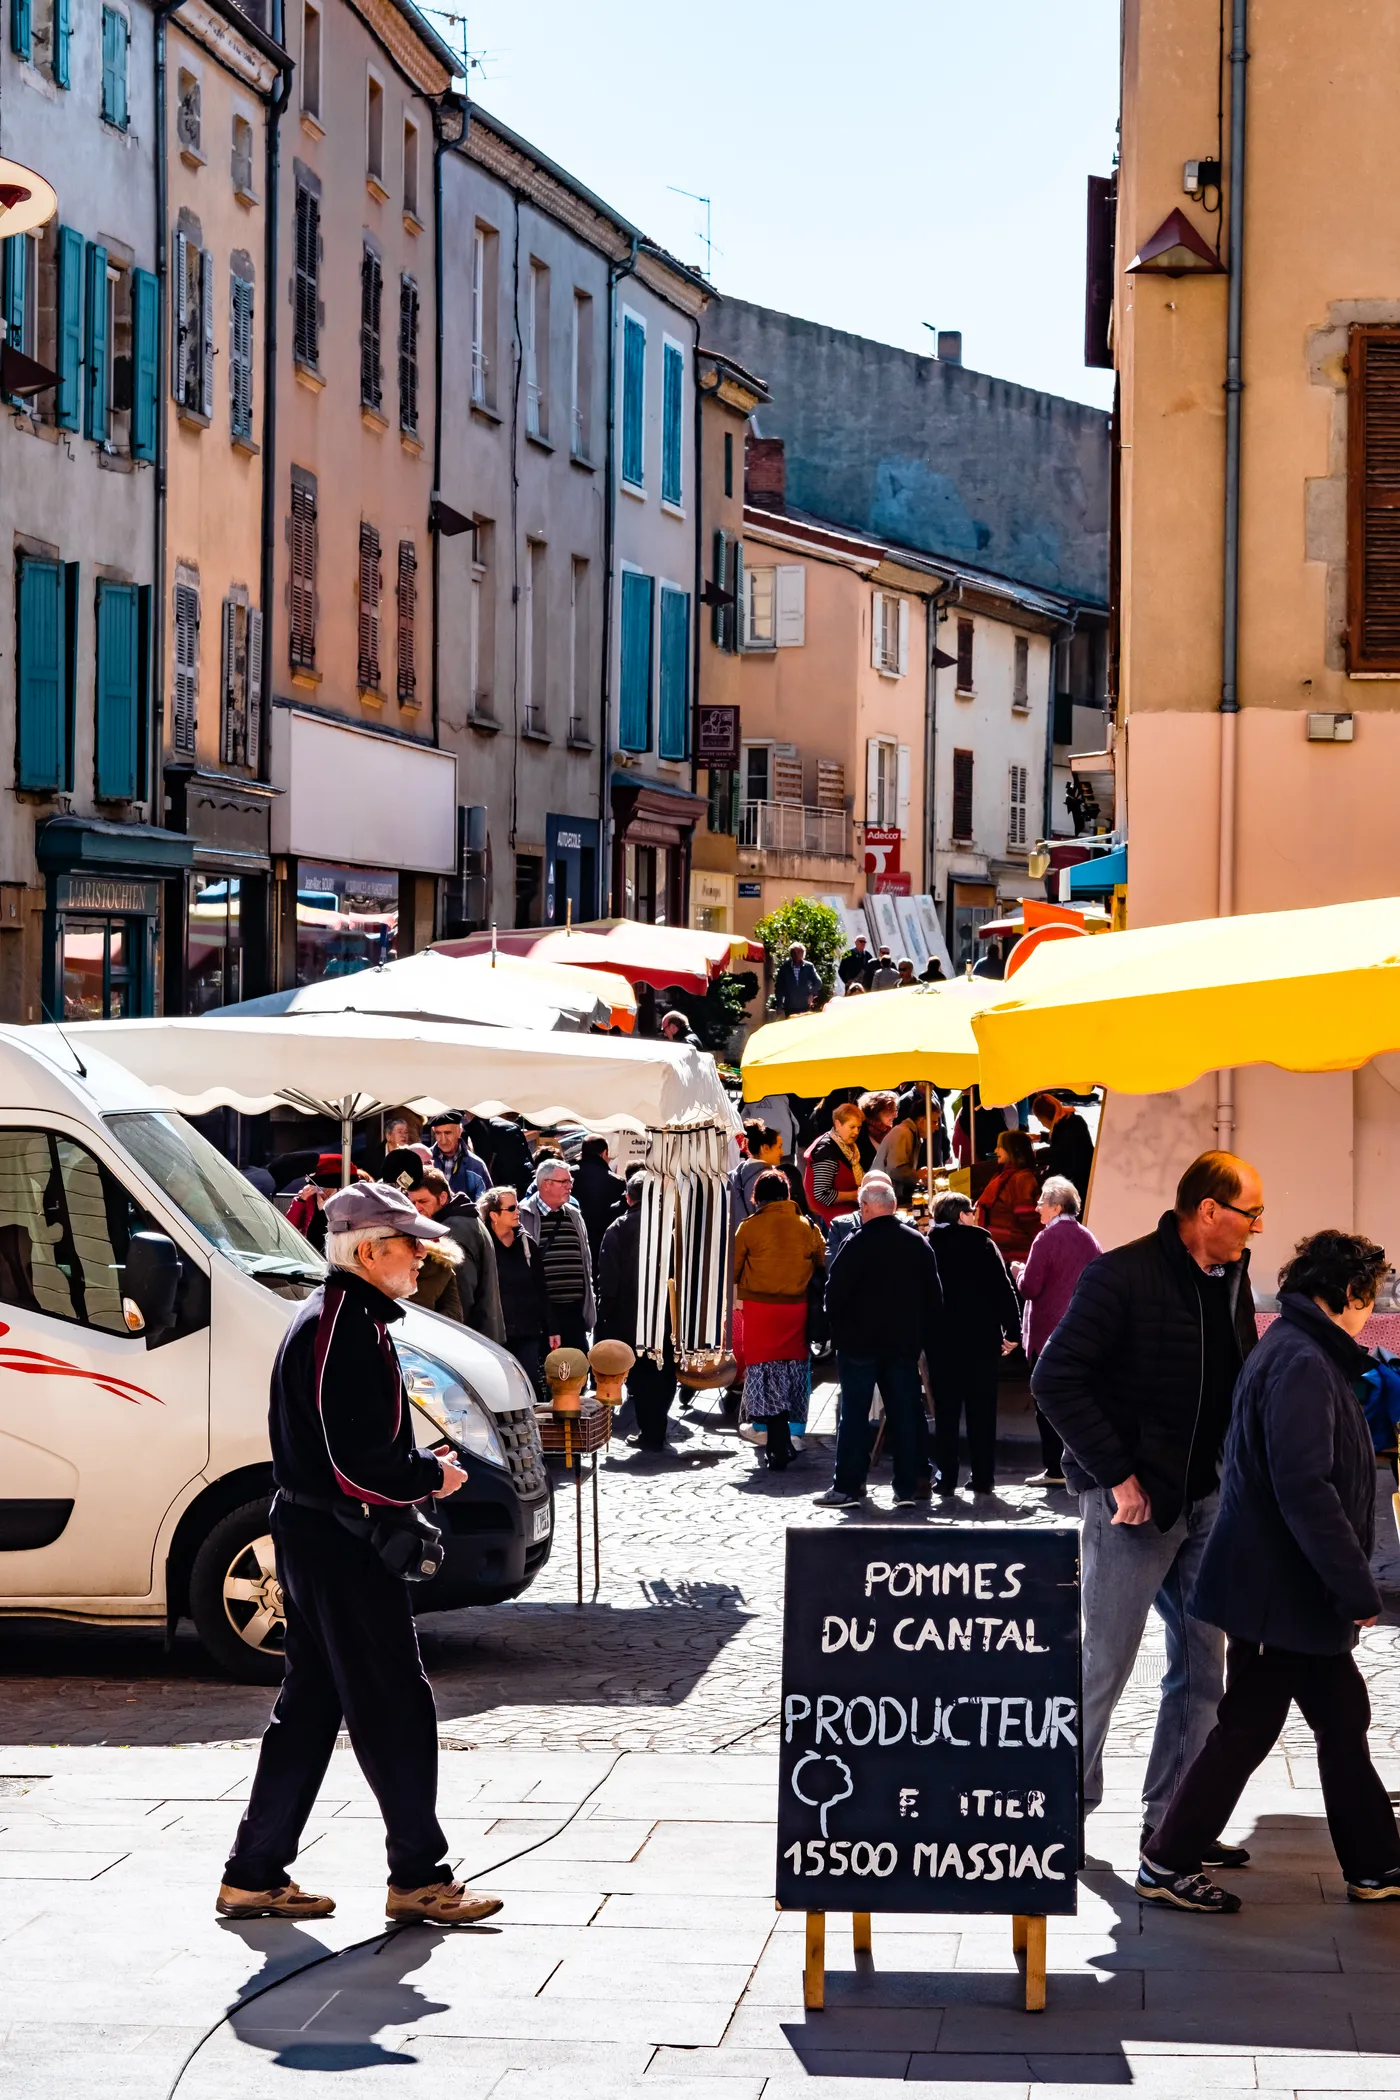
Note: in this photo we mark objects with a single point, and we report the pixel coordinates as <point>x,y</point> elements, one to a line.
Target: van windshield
<point>224,1208</point>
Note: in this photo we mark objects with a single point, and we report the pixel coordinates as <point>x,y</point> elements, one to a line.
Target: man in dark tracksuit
<point>342,1438</point>
<point>1137,1379</point>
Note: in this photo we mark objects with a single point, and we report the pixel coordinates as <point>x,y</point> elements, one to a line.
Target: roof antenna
<point>82,1068</point>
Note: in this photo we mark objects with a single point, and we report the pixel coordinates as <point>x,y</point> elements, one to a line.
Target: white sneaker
<point>1046,1480</point>
<point>752,1435</point>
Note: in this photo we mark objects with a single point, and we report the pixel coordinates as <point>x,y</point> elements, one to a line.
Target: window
<point>241,159</point>
<point>964,673</point>
<point>1016,836</point>
<point>673,711</point>
<point>1021,673</point>
<point>889,640</point>
<point>634,679</point>
<point>116,37</point>
<point>367,657</point>
<point>301,533</point>
<point>758,772</point>
<point>371,307</point>
<point>96,342</point>
<point>728,462</point>
<point>672,421</point>
<point>581,381</point>
<point>410,168</point>
<point>537,351</point>
<point>240,742</point>
<point>306,311</point>
<point>118,707</point>
<point>728,577</point>
<point>311,61</point>
<point>406,597</point>
<point>408,355</point>
<point>484,251</point>
<point>192,337</point>
<point>45,624</point>
<point>1373,500</point>
<point>481,622</point>
<point>760,611</point>
<point>882,780</point>
<point>40,32</point>
<point>65,1223</point>
<point>240,363</point>
<point>579,667</point>
<point>536,665</point>
<point>187,113</point>
<point>962,796</point>
<point>634,373</point>
<point>374,131</point>
<point>184,714</point>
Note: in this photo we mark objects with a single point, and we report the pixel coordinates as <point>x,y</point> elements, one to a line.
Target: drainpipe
<point>156,727</point>
<point>1230,619</point>
<point>616,273</point>
<point>266,583</point>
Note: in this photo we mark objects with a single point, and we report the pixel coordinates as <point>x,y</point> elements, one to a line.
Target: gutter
<point>1230,611</point>
<point>155,728</point>
<point>616,273</point>
<point>266,578</point>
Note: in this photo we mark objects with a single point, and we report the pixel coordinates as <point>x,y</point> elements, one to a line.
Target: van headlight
<point>439,1393</point>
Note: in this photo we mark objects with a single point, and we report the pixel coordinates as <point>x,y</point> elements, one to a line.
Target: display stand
<point>577,1437</point>
<point>1027,1937</point>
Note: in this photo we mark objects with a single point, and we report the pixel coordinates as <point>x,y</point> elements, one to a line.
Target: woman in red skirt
<point>777,1252</point>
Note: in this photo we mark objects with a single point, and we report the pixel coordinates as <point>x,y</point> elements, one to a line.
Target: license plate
<point>542,1522</point>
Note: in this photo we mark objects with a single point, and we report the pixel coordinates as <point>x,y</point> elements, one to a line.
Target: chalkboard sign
<point>930,1720</point>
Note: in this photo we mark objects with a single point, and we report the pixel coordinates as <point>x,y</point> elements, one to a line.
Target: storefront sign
<point>929,1753</point>
<point>750,889</point>
<point>888,885</point>
<point>107,894</point>
<point>882,842</point>
<point>717,737</point>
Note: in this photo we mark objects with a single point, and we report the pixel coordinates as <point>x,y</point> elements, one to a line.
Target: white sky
<point>912,161</point>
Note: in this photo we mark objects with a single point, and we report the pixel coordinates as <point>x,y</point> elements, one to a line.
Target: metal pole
<point>347,1138</point>
<point>1230,609</point>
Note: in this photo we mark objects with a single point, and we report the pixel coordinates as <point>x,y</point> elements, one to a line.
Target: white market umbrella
<point>430,986</point>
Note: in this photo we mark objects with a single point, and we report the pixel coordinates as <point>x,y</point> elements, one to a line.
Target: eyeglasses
<point>504,1209</point>
<point>1253,1215</point>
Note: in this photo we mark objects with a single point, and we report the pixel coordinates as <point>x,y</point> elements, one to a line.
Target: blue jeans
<point>902,1391</point>
<point>1127,1569</point>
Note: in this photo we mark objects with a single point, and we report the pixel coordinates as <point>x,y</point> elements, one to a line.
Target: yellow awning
<point>1148,1011</point>
<point>877,1040</point>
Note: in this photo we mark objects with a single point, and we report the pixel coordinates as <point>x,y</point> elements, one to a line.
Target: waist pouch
<point>408,1545</point>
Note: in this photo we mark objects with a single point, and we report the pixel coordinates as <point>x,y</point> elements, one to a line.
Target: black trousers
<point>651,1388</point>
<point>966,1384</point>
<point>528,1351</point>
<point>1260,1686</point>
<point>352,1654</point>
<point>570,1327</point>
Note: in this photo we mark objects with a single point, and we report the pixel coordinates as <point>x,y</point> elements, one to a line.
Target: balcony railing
<point>790,827</point>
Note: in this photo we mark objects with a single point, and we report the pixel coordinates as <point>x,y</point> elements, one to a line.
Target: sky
<point>924,161</point>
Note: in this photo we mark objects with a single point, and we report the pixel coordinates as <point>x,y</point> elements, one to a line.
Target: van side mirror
<point>151,1283</point>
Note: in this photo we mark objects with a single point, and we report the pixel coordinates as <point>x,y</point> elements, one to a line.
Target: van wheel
<point>236,1599</point>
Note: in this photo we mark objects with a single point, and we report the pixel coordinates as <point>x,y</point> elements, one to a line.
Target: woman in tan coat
<point>777,1252</point>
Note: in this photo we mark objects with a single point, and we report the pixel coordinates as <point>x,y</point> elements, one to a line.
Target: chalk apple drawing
<point>810,1801</point>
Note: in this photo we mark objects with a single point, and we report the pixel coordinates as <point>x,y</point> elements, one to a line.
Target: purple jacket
<point>1057,1260</point>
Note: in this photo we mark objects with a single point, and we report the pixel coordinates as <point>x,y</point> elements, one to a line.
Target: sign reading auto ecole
<point>929,1754</point>
<point>717,737</point>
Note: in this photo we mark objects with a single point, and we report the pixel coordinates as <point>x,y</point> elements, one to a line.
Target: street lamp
<point>27,202</point>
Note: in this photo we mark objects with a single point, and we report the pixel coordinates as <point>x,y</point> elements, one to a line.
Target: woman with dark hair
<point>777,1252</point>
<point>1286,1575</point>
<point>1006,1208</point>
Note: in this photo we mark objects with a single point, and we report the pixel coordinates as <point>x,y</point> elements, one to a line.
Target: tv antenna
<point>470,64</point>
<point>696,198</point>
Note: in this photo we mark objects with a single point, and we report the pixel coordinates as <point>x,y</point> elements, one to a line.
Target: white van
<point>144,1288</point>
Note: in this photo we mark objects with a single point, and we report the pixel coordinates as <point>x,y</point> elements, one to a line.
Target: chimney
<point>950,345</point>
<point>765,480</point>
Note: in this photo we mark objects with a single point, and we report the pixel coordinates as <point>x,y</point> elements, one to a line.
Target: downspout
<point>155,729</point>
<point>435,537</point>
<point>1230,618</point>
<point>616,273</point>
<point>272,968</point>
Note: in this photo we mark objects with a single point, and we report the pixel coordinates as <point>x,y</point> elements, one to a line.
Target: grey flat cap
<point>373,1203</point>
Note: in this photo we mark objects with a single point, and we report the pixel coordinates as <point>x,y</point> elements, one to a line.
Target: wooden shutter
<point>371,306</point>
<point>790,605</point>
<point>180,318</point>
<point>964,656</point>
<point>831,784</point>
<point>1373,500</point>
<point>1020,679</point>
<point>902,639</point>
<point>672,423</point>
<point>69,331</point>
<point>368,670</point>
<point>634,366</point>
<point>719,570</point>
<point>673,724</point>
<point>95,346</point>
<point>116,691</point>
<point>1099,270</point>
<point>21,28</point>
<point>231,677</point>
<point>1016,826</point>
<point>41,675</point>
<point>240,385</point>
<point>877,629</point>
<point>114,43</point>
<point>407,596</point>
<point>736,610</point>
<point>634,681</point>
<point>62,32</point>
<point>16,275</point>
<point>145,361</point>
<point>408,354</point>
<point>306,322</point>
<point>962,795</point>
<point>206,332</point>
<point>184,712</point>
<point>872,780</point>
<point>787,773</point>
<point>901,792</point>
<point>302,595</point>
<point>252,755</point>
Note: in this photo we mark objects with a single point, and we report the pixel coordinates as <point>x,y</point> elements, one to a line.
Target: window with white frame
<point>581,381</point>
<point>887,774</point>
<point>410,168</point>
<point>374,130</point>
<point>1017,834</point>
<point>187,113</point>
<point>481,623</point>
<point>760,609</point>
<point>537,350</point>
<point>889,638</point>
<point>578,650</point>
<point>536,665</point>
<point>485,245</point>
<point>1021,674</point>
<point>241,160</point>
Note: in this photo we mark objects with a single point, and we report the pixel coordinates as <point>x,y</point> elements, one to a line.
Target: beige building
<point>1258,774</point>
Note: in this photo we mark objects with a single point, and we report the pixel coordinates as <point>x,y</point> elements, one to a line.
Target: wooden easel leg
<point>814,1974</point>
<point>1035,1964</point>
<point>597,1558</point>
<point>860,1932</point>
<point>578,1523</point>
<point>1018,1935</point>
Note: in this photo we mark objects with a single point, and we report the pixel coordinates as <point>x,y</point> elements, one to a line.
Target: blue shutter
<point>673,724</point>
<point>673,395</point>
<point>62,26</point>
<point>145,363</point>
<point>114,42</point>
<point>116,691</point>
<point>95,344</point>
<point>634,682</point>
<point>69,346</point>
<point>16,259</point>
<point>41,675</point>
<point>634,372</point>
<point>20,26</point>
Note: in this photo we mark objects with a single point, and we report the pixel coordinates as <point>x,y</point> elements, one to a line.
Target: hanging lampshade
<point>1176,249</point>
<point>26,200</point>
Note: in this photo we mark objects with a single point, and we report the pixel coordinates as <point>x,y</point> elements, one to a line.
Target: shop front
<point>104,888</point>
<point>570,869</point>
<point>653,827</point>
<point>218,952</point>
<point>971,903</point>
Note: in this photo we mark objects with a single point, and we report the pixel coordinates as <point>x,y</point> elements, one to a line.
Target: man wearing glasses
<point>1137,1379</point>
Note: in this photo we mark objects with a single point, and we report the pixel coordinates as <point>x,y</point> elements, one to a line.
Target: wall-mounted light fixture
<point>1176,249</point>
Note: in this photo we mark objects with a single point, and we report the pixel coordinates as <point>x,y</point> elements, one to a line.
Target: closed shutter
<point>902,648</point>
<point>902,790</point>
<point>117,711</point>
<point>371,305</point>
<point>69,331</point>
<point>1016,826</point>
<point>41,681</point>
<point>184,713</point>
<point>673,740</point>
<point>62,31</point>
<point>962,794</point>
<point>964,656</point>
<point>21,28</point>
<point>206,332</point>
<point>16,276</point>
<point>240,387</point>
<point>145,361</point>
<point>95,345</point>
<point>872,780</point>
<point>790,603</point>
<point>634,367</point>
<point>306,320</point>
<point>1373,500</point>
<point>634,682</point>
<point>672,430</point>
<point>787,773</point>
<point>877,630</point>
<point>180,319</point>
<point>302,594</point>
<point>736,611</point>
<point>115,37</point>
<point>1021,673</point>
<point>368,666</point>
<point>831,784</point>
<point>253,753</point>
<point>408,354</point>
<point>407,594</point>
<point>232,680</point>
<point>719,570</point>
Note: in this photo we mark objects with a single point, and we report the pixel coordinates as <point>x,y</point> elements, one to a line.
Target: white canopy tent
<point>435,987</point>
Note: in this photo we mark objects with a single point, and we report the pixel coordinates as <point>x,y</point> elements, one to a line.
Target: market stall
<point>494,991</point>
<point>661,956</point>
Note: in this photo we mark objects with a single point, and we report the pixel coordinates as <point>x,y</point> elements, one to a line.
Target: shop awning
<point>655,955</point>
<point>1100,876</point>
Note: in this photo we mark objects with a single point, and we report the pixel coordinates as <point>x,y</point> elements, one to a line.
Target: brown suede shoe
<point>287,1902</point>
<point>442,1903</point>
